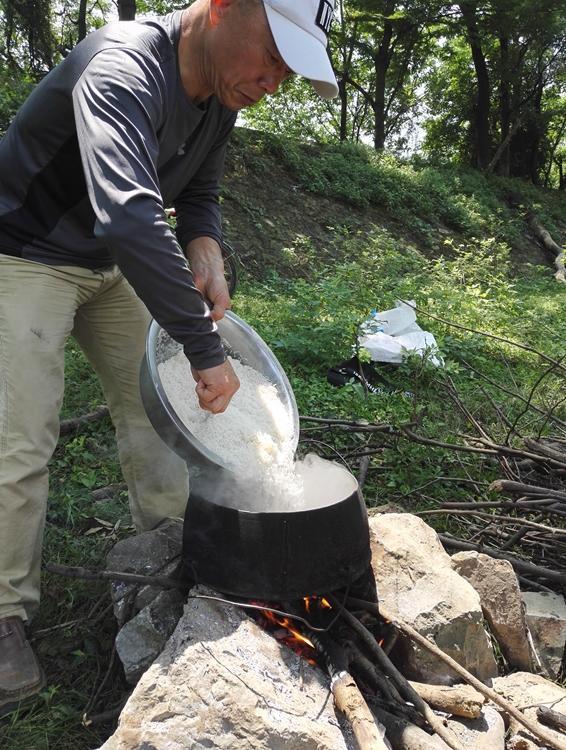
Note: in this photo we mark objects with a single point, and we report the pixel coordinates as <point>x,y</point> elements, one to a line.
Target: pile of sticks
<point>402,710</point>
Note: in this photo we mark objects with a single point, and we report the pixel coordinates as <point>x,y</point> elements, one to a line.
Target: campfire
<point>352,642</point>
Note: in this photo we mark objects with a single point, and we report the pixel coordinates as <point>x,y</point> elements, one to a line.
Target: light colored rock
<point>485,733</point>
<point>416,582</point>
<point>546,618</point>
<point>222,682</point>
<point>500,598</point>
<point>142,639</point>
<point>528,691</point>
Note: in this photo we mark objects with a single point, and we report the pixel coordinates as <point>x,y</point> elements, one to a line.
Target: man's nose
<point>271,81</point>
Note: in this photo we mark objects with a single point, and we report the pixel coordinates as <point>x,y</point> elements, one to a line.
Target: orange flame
<point>285,622</point>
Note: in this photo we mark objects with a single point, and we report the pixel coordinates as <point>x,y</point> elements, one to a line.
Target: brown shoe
<point>21,677</point>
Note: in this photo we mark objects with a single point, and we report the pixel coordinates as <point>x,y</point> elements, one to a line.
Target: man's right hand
<point>216,386</point>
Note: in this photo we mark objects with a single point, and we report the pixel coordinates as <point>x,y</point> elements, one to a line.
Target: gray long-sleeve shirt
<point>101,146</point>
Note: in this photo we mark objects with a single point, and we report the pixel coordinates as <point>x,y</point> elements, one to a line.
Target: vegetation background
<point>417,182</point>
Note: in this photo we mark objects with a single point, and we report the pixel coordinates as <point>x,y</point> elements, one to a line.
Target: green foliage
<point>416,193</point>
<point>14,88</point>
<point>311,325</point>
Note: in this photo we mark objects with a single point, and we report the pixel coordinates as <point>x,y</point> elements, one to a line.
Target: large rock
<point>222,682</point>
<point>524,689</point>
<point>141,640</point>
<point>500,598</point>
<point>484,733</point>
<point>153,552</point>
<point>416,582</point>
<point>546,618</point>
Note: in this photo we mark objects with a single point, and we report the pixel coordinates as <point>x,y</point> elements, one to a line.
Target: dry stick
<point>401,683</point>
<point>550,416</point>
<point>524,347</point>
<point>347,696</point>
<point>404,432</point>
<point>515,538</point>
<point>493,696</point>
<point>360,663</point>
<point>111,575</point>
<point>546,450</point>
<point>494,517</point>
<point>404,735</point>
<point>518,488</point>
<point>531,395</point>
<point>543,235</point>
<point>552,718</point>
<point>69,425</point>
<point>560,464</point>
<point>509,392</point>
<point>458,700</point>
<point>526,505</point>
<point>362,426</point>
<point>521,565</point>
<point>351,703</point>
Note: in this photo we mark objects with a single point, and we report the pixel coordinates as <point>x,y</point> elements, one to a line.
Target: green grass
<point>310,324</point>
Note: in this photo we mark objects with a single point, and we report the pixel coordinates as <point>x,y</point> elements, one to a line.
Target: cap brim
<point>303,53</point>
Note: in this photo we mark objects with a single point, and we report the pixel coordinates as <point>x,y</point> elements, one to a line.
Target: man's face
<point>244,63</point>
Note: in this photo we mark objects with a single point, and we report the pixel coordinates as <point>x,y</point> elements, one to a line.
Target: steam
<point>322,482</point>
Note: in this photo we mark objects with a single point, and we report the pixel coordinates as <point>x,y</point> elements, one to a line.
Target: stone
<point>141,640</point>
<point>484,733</point>
<point>546,618</point>
<point>528,691</point>
<point>153,552</point>
<point>500,598</point>
<point>222,682</point>
<point>416,582</point>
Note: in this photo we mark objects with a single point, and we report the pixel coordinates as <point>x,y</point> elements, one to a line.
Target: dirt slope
<point>265,211</point>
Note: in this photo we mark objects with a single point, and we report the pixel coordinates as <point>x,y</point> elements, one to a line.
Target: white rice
<point>254,437</point>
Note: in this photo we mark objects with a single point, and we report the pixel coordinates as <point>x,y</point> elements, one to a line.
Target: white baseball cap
<point>300,29</point>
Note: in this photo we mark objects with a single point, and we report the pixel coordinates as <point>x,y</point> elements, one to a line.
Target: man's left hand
<point>207,266</point>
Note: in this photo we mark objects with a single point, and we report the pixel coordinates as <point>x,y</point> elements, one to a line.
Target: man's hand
<point>207,265</point>
<point>216,386</point>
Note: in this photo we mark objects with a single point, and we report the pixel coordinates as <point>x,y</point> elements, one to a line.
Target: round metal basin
<point>241,342</point>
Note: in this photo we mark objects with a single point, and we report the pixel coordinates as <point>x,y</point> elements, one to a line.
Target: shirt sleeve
<point>118,104</point>
<point>197,206</point>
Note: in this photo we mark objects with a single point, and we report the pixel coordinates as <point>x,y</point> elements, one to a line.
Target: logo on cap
<point>324,16</point>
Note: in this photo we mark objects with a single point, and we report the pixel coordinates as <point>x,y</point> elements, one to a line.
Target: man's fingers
<point>216,386</point>
<point>221,302</point>
<point>209,401</point>
<point>216,406</point>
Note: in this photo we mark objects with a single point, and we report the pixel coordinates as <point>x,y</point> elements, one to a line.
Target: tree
<point>126,10</point>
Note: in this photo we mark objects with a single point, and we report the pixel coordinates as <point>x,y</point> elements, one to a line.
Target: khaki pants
<point>40,306</point>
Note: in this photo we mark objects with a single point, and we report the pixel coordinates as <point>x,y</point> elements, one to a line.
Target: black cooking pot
<point>275,556</point>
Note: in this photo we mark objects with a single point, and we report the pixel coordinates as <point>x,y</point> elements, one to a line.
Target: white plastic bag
<point>390,335</point>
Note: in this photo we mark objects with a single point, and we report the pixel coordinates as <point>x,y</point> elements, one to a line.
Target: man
<point>137,117</point>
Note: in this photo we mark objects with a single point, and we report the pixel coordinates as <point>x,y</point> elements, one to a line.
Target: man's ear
<point>217,10</point>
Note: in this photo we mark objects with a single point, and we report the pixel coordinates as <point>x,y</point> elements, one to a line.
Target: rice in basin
<point>254,437</point>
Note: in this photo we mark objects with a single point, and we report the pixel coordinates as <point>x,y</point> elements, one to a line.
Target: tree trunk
<point>504,104</point>
<point>81,21</point>
<point>482,106</point>
<point>343,94</point>
<point>381,63</point>
<point>126,10</point>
